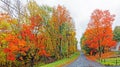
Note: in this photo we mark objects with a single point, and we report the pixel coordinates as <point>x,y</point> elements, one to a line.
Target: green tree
<point>117,33</point>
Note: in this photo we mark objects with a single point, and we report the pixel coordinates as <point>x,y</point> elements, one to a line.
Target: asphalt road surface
<point>83,62</point>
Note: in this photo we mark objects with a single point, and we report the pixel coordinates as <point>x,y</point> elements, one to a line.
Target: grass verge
<point>63,61</point>
<point>110,61</point>
<point>107,59</point>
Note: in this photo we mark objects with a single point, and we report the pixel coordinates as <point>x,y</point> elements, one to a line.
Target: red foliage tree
<point>99,31</point>
<point>28,32</point>
<point>15,46</point>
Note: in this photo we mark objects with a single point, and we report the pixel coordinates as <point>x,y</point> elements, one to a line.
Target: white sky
<point>80,10</point>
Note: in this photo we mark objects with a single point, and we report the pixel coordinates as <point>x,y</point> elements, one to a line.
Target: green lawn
<point>110,61</point>
<point>62,62</point>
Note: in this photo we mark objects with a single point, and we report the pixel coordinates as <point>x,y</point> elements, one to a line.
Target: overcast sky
<point>80,10</point>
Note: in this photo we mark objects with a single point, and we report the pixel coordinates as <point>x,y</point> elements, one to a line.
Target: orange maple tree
<point>60,16</point>
<point>23,42</point>
<point>99,31</point>
<point>15,46</point>
<point>36,38</point>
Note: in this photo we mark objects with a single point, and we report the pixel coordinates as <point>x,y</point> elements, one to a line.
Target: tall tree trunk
<point>99,48</point>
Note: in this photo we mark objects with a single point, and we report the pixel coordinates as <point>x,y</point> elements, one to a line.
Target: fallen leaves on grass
<point>96,57</point>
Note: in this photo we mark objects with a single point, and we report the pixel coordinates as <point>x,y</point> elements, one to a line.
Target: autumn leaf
<point>11,57</point>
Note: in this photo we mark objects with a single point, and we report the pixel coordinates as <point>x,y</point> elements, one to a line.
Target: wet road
<point>83,62</point>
